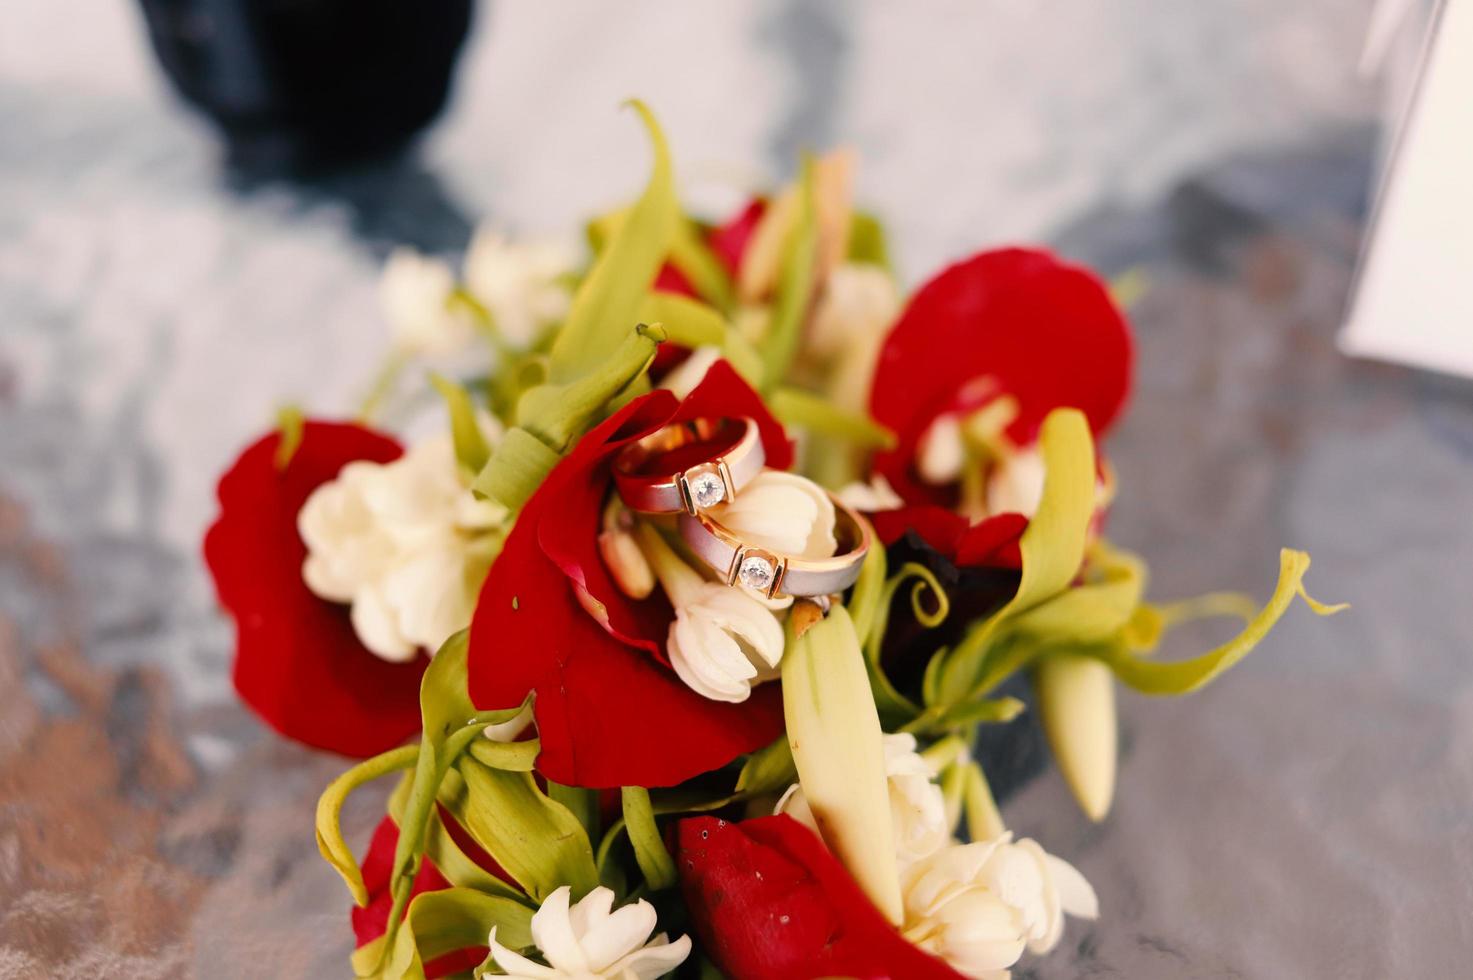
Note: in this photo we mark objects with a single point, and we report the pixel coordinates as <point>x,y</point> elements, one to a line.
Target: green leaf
<point>291,422</point>
<point>895,709</point>
<point>1091,612</point>
<point>794,286</point>
<point>867,241</point>
<point>510,756</point>
<point>693,324</point>
<point>330,807</point>
<point>451,919</point>
<point>869,590</point>
<point>538,841</point>
<point>471,449</point>
<point>654,861</point>
<point>693,257</point>
<point>820,416</point>
<point>1185,676</point>
<point>768,770</point>
<point>606,304</point>
<point>984,820</point>
<point>513,474</point>
<point>834,732</point>
<point>457,867</point>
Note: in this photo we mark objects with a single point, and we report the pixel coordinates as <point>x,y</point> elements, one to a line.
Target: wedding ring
<point>701,486</point>
<point>773,574</point>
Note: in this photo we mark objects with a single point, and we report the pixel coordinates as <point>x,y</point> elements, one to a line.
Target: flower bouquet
<point>678,630</point>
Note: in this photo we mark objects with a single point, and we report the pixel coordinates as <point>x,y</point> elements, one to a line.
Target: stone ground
<point>1307,816</point>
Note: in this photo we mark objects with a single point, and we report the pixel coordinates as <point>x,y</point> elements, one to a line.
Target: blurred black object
<point>302,85</point>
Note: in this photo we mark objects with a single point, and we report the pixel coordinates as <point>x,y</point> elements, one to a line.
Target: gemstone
<point>706,489</point>
<point>755,572</point>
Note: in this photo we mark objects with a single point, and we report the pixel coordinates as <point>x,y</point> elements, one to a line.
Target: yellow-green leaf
<point>819,415</point>
<point>457,867</point>
<point>606,305</point>
<point>834,732</point>
<point>768,770</point>
<point>538,841</point>
<point>1185,676</point>
<point>291,422</point>
<point>330,807</point>
<point>654,861</point>
<point>440,922</point>
<point>471,449</point>
<point>691,323</point>
<point>794,286</point>
<point>984,820</point>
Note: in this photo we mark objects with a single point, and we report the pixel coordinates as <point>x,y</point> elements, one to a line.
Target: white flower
<point>1015,483</point>
<point>784,513</point>
<point>415,291</point>
<point>858,302</point>
<point>520,283</point>
<point>404,543</point>
<point>941,453</point>
<point>723,641</point>
<point>590,942</point>
<point>979,905</point>
<point>873,497</point>
<point>917,806</point>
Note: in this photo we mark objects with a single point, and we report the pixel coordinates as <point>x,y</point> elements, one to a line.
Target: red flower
<point>610,710</point>
<point>769,902</point>
<point>298,663</point>
<point>1013,322</point>
<point>370,921</point>
<point>1010,322</point>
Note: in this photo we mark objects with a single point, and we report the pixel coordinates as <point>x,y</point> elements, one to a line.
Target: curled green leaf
<point>330,807</point>
<point>654,860</point>
<point>1185,676</point>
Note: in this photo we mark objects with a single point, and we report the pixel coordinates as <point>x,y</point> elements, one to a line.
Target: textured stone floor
<point>1308,816</point>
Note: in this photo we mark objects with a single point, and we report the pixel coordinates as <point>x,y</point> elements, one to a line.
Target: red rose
<point>1013,322</point>
<point>769,902</point>
<point>610,710</point>
<point>370,921</point>
<point>298,663</point>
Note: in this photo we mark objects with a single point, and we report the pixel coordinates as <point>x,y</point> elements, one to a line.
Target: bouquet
<point>678,624</point>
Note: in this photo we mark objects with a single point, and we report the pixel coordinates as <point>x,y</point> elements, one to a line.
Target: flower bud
<point>1076,704</point>
<point>626,563</point>
<point>782,512</point>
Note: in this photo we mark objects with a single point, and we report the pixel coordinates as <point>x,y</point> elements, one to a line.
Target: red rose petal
<point>549,618</point>
<point>769,902</point>
<point>298,663</point>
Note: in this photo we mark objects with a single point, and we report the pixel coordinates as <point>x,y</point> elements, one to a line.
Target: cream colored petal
<point>684,377</point>
<point>617,935</point>
<point>784,513</point>
<point>1076,895</point>
<point>517,966</point>
<point>941,453</point>
<point>509,730</point>
<point>655,960</point>
<point>377,627</point>
<point>552,931</point>
<point>1015,485</point>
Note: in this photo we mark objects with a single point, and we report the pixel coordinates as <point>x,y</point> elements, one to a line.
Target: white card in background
<point>1413,300</point>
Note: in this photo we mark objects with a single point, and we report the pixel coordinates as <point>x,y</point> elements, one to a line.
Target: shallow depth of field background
<point>1307,816</point>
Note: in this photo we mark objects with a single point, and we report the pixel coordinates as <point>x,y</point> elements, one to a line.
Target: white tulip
<point>784,513</point>
<point>591,941</point>
<point>404,543</point>
<point>415,292</point>
<point>521,284</point>
<point>917,806</point>
<point>978,906</point>
<point>723,640</point>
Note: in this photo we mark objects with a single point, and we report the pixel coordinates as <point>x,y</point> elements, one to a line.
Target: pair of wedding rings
<point>735,457</point>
